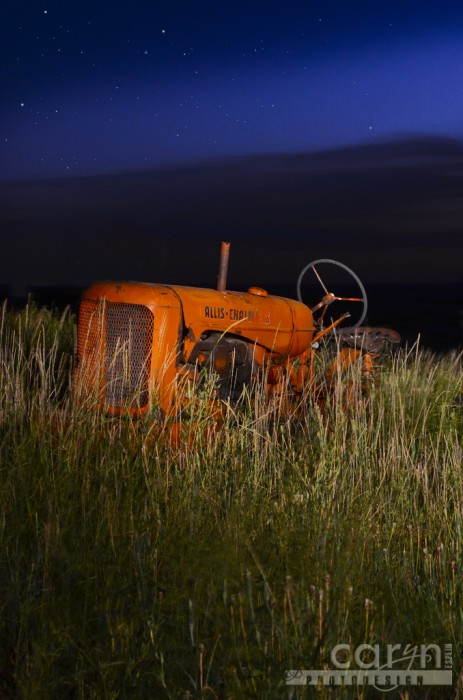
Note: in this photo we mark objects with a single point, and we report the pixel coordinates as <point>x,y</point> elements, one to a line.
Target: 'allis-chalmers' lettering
<point>214,312</point>
<point>239,314</point>
<point>232,314</point>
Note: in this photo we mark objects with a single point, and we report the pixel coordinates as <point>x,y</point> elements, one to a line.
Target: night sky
<point>134,137</point>
<point>94,87</point>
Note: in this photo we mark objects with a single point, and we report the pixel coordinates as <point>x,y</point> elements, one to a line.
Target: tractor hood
<point>281,325</point>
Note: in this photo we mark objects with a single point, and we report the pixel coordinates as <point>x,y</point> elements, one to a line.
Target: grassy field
<point>131,569</point>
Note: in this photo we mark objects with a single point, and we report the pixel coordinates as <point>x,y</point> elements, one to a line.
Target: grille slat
<point>116,341</point>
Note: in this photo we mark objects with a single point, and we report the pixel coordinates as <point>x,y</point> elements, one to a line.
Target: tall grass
<point>131,568</point>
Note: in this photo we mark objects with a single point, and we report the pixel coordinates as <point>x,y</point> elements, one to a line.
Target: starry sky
<point>99,87</point>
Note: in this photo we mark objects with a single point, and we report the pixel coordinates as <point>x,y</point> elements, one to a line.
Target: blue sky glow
<point>94,89</point>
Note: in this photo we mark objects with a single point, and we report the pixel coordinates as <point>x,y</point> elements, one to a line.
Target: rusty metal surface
<point>223,266</point>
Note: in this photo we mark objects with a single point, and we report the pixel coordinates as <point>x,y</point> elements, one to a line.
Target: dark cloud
<point>394,211</point>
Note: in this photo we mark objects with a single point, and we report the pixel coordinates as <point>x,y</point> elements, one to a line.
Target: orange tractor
<point>145,347</point>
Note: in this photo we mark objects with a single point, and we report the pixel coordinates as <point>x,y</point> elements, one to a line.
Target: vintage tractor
<point>145,347</point>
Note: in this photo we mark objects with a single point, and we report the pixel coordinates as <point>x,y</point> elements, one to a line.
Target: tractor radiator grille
<point>114,345</point>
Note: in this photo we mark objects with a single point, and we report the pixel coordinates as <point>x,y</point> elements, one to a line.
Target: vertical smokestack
<point>223,267</point>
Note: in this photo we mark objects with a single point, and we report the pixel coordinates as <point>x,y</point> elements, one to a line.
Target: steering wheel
<point>329,297</point>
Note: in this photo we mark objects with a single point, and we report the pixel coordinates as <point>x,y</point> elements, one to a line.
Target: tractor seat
<point>367,338</point>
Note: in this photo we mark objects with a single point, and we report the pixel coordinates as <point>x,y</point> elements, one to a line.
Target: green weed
<point>133,569</point>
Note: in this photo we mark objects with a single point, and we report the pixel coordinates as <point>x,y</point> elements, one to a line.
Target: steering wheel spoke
<point>347,299</point>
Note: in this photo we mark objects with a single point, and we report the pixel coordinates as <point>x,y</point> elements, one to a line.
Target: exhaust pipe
<point>223,267</point>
